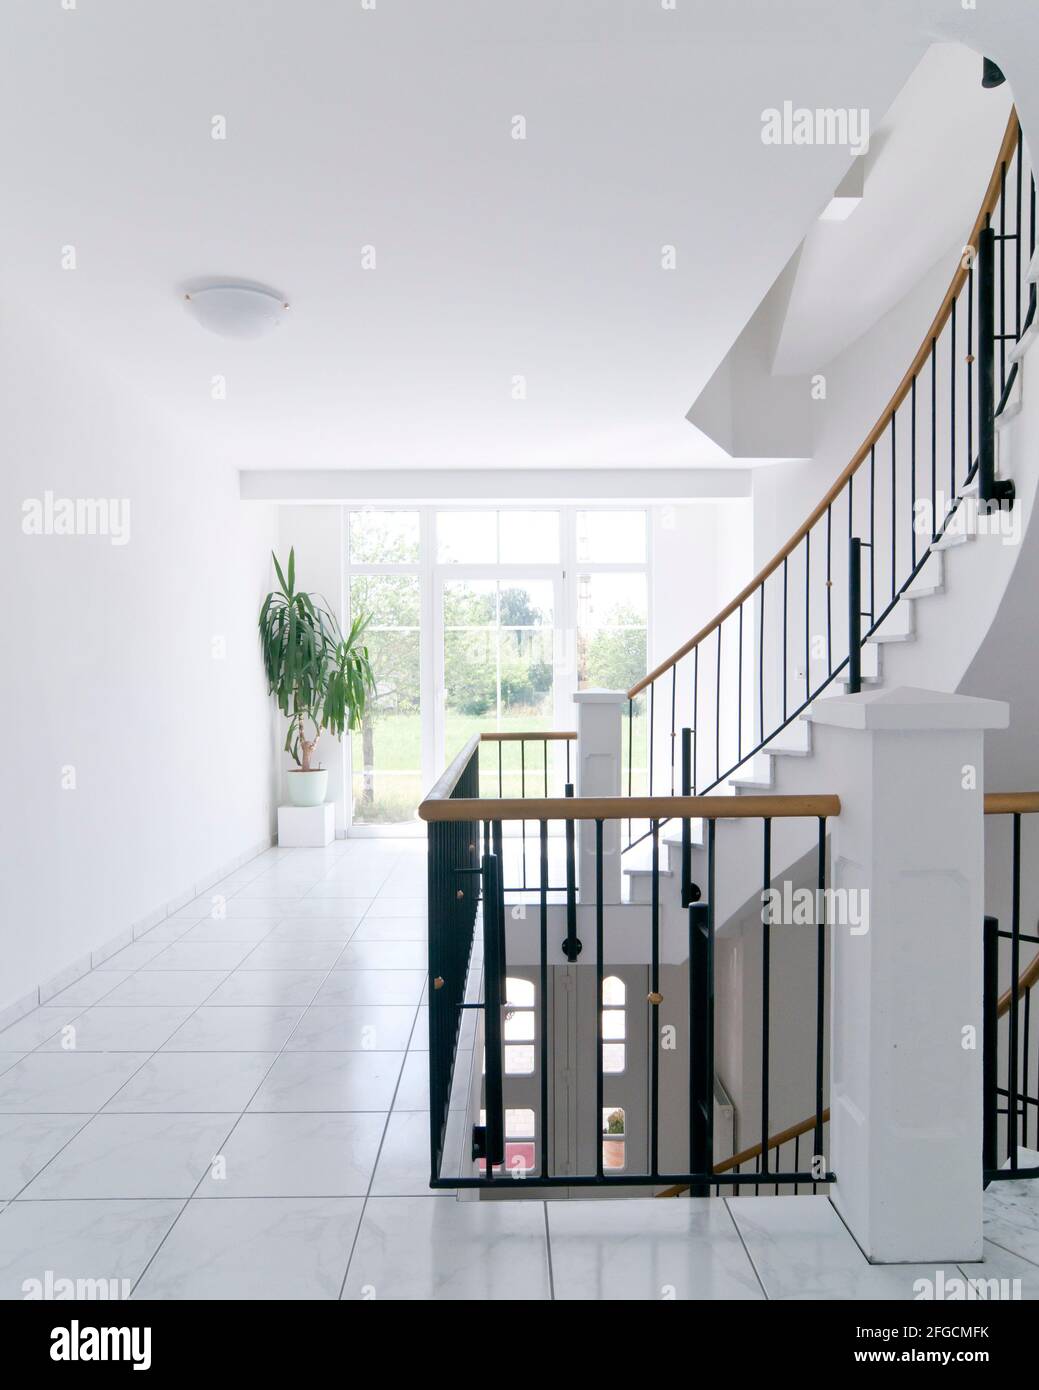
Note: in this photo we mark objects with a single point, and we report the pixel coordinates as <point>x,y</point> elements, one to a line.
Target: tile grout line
<point>227,1137</point>
<point>746,1250</point>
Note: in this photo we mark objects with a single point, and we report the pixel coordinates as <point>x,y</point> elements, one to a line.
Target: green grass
<point>398,752</point>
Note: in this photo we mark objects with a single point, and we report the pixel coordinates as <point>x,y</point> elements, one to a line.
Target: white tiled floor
<point>234,1107</point>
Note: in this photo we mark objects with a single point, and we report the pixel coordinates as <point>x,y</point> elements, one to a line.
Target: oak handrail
<point>1006,150</point>
<point>745,1155</point>
<point>1011,803</point>
<point>444,807</point>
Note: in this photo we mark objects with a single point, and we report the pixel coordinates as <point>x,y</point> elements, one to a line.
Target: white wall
<point>111,670</point>
<point>316,534</point>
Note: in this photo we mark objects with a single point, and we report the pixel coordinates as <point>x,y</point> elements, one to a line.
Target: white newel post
<point>905,1078</point>
<point>599,739</point>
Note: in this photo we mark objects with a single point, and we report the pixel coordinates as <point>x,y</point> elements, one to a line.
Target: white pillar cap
<point>601,697</point>
<point>908,708</point>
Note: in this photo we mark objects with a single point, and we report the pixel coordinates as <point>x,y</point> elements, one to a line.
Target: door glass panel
<point>611,630</point>
<point>498,674</point>
<point>387,749</point>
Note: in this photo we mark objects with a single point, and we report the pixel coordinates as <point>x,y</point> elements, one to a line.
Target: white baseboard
<point>53,986</point>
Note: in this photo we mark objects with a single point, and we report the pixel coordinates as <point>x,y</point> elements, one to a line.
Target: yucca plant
<point>316,675</point>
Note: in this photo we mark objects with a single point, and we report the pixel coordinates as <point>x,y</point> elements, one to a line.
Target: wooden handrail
<point>553,736</point>
<point>1011,803</point>
<point>1006,150</point>
<point>745,1155</point>
<point>439,806</point>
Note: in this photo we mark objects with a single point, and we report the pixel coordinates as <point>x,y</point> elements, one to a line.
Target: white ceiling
<point>496,258</point>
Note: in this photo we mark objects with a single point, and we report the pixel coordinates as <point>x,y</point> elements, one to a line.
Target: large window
<point>385,582</point>
<point>486,621</point>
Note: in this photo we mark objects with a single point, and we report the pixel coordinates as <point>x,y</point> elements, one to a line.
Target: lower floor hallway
<point>235,1106</point>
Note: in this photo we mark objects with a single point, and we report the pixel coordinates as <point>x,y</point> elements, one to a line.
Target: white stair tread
<point>1026,340</point>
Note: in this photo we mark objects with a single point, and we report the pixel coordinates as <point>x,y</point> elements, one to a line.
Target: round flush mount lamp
<point>236,311</point>
<point>991,76</point>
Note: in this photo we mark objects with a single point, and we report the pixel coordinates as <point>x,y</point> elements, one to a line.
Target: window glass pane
<point>387,748</point>
<point>611,600</point>
<point>529,538</point>
<point>519,1124</point>
<point>611,630</point>
<point>470,603</point>
<point>470,686</point>
<point>526,681</point>
<point>613,1024</point>
<point>611,537</point>
<point>384,538</point>
<point>612,1121</point>
<point>613,1153</point>
<point>613,991</point>
<point>527,604</point>
<point>391,600</point>
<point>520,1027</point>
<point>613,1057</point>
<point>519,993</point>
<point>467,538</point>
<point>519,1060</point>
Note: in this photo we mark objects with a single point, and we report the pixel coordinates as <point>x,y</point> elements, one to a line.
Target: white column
<point>599,740</point>
<point>906,1001</point>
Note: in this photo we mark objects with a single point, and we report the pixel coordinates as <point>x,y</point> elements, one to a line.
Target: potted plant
<point>320,679</point>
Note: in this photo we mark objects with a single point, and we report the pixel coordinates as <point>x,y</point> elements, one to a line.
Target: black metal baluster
<point>986,366</point>
<point>1015,980</point>
<point>652,705</point>
<point>761,664</point>
<point>631,736</point>
<point>701,1042</point>
<point>1019,171</point>
<point>872,531</point>
<point>894,510</point>
<point>855,615</point>
<point>523,795</point>
<point>654,1001</point>
<point>493,989</point>
<point>572,943</point>
<point>820,989</point>
<point>1002,277</point>
<point>970,367</point>
<point>990,1048</point>
<point>952,403</point>
<point>674,685</point>
<point>718,709</point>
<point>912,473</point>
<point>543,995</point>
<point>739,694</point>
<point>599,976</point>
<point>934,440</point>
<point>546,765</point>
<point>784,634</point>
<point>696,717</point>
<point>766,964</point>
<point>829,584</point>
<point>687,841</point>
<point>808,615</point>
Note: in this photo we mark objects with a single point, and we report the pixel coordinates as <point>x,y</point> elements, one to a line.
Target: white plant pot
<point>308,788</point>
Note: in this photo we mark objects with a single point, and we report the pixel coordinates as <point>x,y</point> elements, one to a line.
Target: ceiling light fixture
<point>236,311</point>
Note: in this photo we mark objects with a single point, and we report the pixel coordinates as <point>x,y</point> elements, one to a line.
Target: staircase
<point>929,600</point>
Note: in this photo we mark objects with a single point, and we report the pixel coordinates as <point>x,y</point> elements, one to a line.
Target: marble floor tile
<point>256,1248</point>
<point>134,1156</point>
<point>299,1155</point>
<point>236,1028</point>
<point>438,1249</point>
<point>330,1081</point>
<point>27,1143</point>
<point>353,1028</point>
<point>193,1082</point>
<point>65,1083</point>
<point>372,987</point>
<point>85,1241</point>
